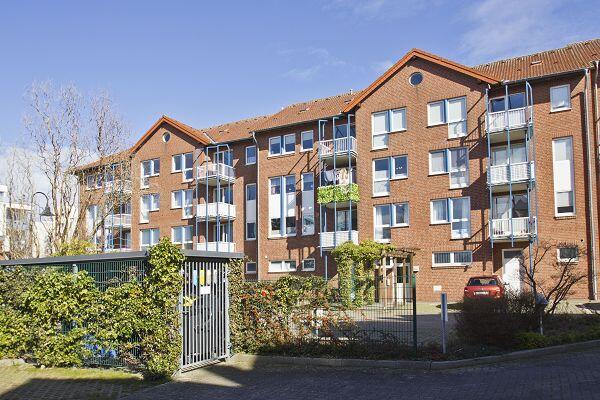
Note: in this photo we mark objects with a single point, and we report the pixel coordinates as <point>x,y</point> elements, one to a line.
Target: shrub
<point>496,322</point>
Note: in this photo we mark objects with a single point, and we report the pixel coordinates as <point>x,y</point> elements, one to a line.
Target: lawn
<point>28,382</point>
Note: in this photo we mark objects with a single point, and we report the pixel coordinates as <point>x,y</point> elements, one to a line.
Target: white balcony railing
<point>521,227</point>
<point>331,239</point>
<point>123,186</point>
<point>513,119</point>
<point>341,145</point>
<point>210,211</point>
<point>118,220</point>
<point>216,246</point>
<point>517,172</point>
<point>218,170</point>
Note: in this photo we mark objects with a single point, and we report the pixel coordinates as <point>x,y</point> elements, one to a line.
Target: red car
<point>484,287</point>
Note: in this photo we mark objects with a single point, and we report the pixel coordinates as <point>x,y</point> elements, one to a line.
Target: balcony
<point>332,239</point>
<point>118,221</point>
<point>121,186</point>
<point>216,246</point>
<point>515,228</point>
<point>212,211</point>
<point>342,148</point>
<point>517,119</point>
<point>212,173</point>
<point>341,195</point>
<point>514,173</point>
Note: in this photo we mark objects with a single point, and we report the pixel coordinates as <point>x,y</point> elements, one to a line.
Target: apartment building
<point>468,167</point>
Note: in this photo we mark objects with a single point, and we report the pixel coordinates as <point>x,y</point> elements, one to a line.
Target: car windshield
<point>482,282</point>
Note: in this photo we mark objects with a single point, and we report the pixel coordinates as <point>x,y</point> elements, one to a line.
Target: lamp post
<point>46,212</point>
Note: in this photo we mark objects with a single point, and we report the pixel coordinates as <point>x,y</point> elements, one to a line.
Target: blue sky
<point>217,61</point>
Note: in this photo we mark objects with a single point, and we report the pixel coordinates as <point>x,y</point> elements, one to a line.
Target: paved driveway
<point>567,376</point>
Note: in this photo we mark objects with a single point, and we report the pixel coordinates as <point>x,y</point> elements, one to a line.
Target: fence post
<point>414,307</point>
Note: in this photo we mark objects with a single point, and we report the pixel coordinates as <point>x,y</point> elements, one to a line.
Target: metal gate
<point>204,312</point>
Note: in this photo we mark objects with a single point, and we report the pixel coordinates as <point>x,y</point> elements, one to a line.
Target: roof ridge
<point>235,122</point>
<point>350,92</point>
<point>537,52</point>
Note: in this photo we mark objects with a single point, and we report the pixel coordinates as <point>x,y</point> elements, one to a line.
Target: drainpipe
<point>258,260</point>
<point>590,194</point>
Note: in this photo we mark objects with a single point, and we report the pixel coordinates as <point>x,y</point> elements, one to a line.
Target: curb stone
<point>412,365</point>
<point>9,362</point>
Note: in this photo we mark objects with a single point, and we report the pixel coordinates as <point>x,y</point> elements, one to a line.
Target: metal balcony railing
<point>341,145</point>
<point>506,173</point>
<point>118,220</point>
<point>124,186</point>
<point>216,246</point>
<point>522,227</point>
<point>216,171</point>
<point>513,119</point>
<point>331,239</point>
<point>211,211</point>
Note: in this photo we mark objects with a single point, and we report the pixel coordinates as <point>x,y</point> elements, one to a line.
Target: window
<point>381,177</point>
<point>275,146</point>
<point>149,168</point>
<point>282,266</point>
<point>383,221</point>
<point>149,202</point>
<point>415,78</point>
<point>455,162</point>
<point>437,162</point>
<point>251,267</point>
<point>307,140</point>
<point>308,202</point>
<point>560,98</point>
<point>224,157</point>
<point>148,237</point>
<point>250,155</point>
<point>388,216</point>
<point>251,211</point>
<point>289,143</point>
<point>452,112</point>
<point>166,137</point>
<point>188,206</point>
<point>182,235</point>
<point>282,206</point>
<point>400,214</point>
<point>457,212</point>
<point>399,167</point>
<point>308,264</point>
<point>567,254</point>
<point>90,181</point>
<point>92,218</point>
<point>177,199</point>
<point>564,198</point>
<point>385,122</point>
<point>181,162</point>
<point>515,100</point>
<point>452,258</point>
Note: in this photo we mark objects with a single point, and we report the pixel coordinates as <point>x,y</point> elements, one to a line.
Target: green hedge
<point>337,193</point>
<point>59,318</point>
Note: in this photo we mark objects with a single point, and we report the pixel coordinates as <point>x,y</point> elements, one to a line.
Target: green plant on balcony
<point>337,193</point>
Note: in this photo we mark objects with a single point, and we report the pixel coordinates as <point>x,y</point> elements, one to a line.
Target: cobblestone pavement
<point>573,375</point>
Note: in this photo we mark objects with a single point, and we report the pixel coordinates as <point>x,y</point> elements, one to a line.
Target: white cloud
<point>321,57</point>
<point>379,9</point>
<point>507,28</point>
<point>381,66</point>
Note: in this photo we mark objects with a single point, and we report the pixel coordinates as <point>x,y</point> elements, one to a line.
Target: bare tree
<point>66,133</point>
<point>552,276</point>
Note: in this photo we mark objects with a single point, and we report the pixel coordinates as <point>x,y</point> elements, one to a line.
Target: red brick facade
<point>440,81</point>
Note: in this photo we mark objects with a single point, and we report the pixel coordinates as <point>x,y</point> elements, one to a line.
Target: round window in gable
<point>166,137</point>
<point>416,78</point>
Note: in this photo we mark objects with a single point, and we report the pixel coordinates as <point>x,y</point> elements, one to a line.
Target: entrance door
<point>511,269</point>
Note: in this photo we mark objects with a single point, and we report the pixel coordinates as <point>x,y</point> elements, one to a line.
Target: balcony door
<point>504,208</point>
<point>516,100</point>
<point>517,155</point>
<point>511,269</point>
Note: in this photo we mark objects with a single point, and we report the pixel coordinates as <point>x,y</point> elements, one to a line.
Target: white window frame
<point>465,170</point>
<point>183,242</point>
<point>248,270</point>
<point>308,205</point>
<point>389,172</point>
<point>144,179</point>
<point>445,171</point>
<point>439,222</point>
<point>452,263</point>
<point>389,126</point>
<point>174,193</point>
<point>285,266</point>
<point>466,219</point>
<point>90,181</point>
<point>187,209</point>
<point>557,168</point>
<point>314,267</point>
<point>279,139</point>
<point>284,140</point>
<point>552,95</point>
<point>312,140</point>
<point>445,114</point>
<point>384,226</point>
<point>443,121</point>
<point>394,220</point>
<point>393,175</point>
<point>255,155</point>
<point>566,260</point>
<point>151,230</point>
<point>255,222</point>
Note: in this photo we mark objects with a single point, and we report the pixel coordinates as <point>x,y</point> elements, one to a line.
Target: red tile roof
<point>234,130</point>
<point>572,57</point>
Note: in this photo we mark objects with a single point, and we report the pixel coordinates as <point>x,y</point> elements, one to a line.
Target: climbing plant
<point>338,193</point>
